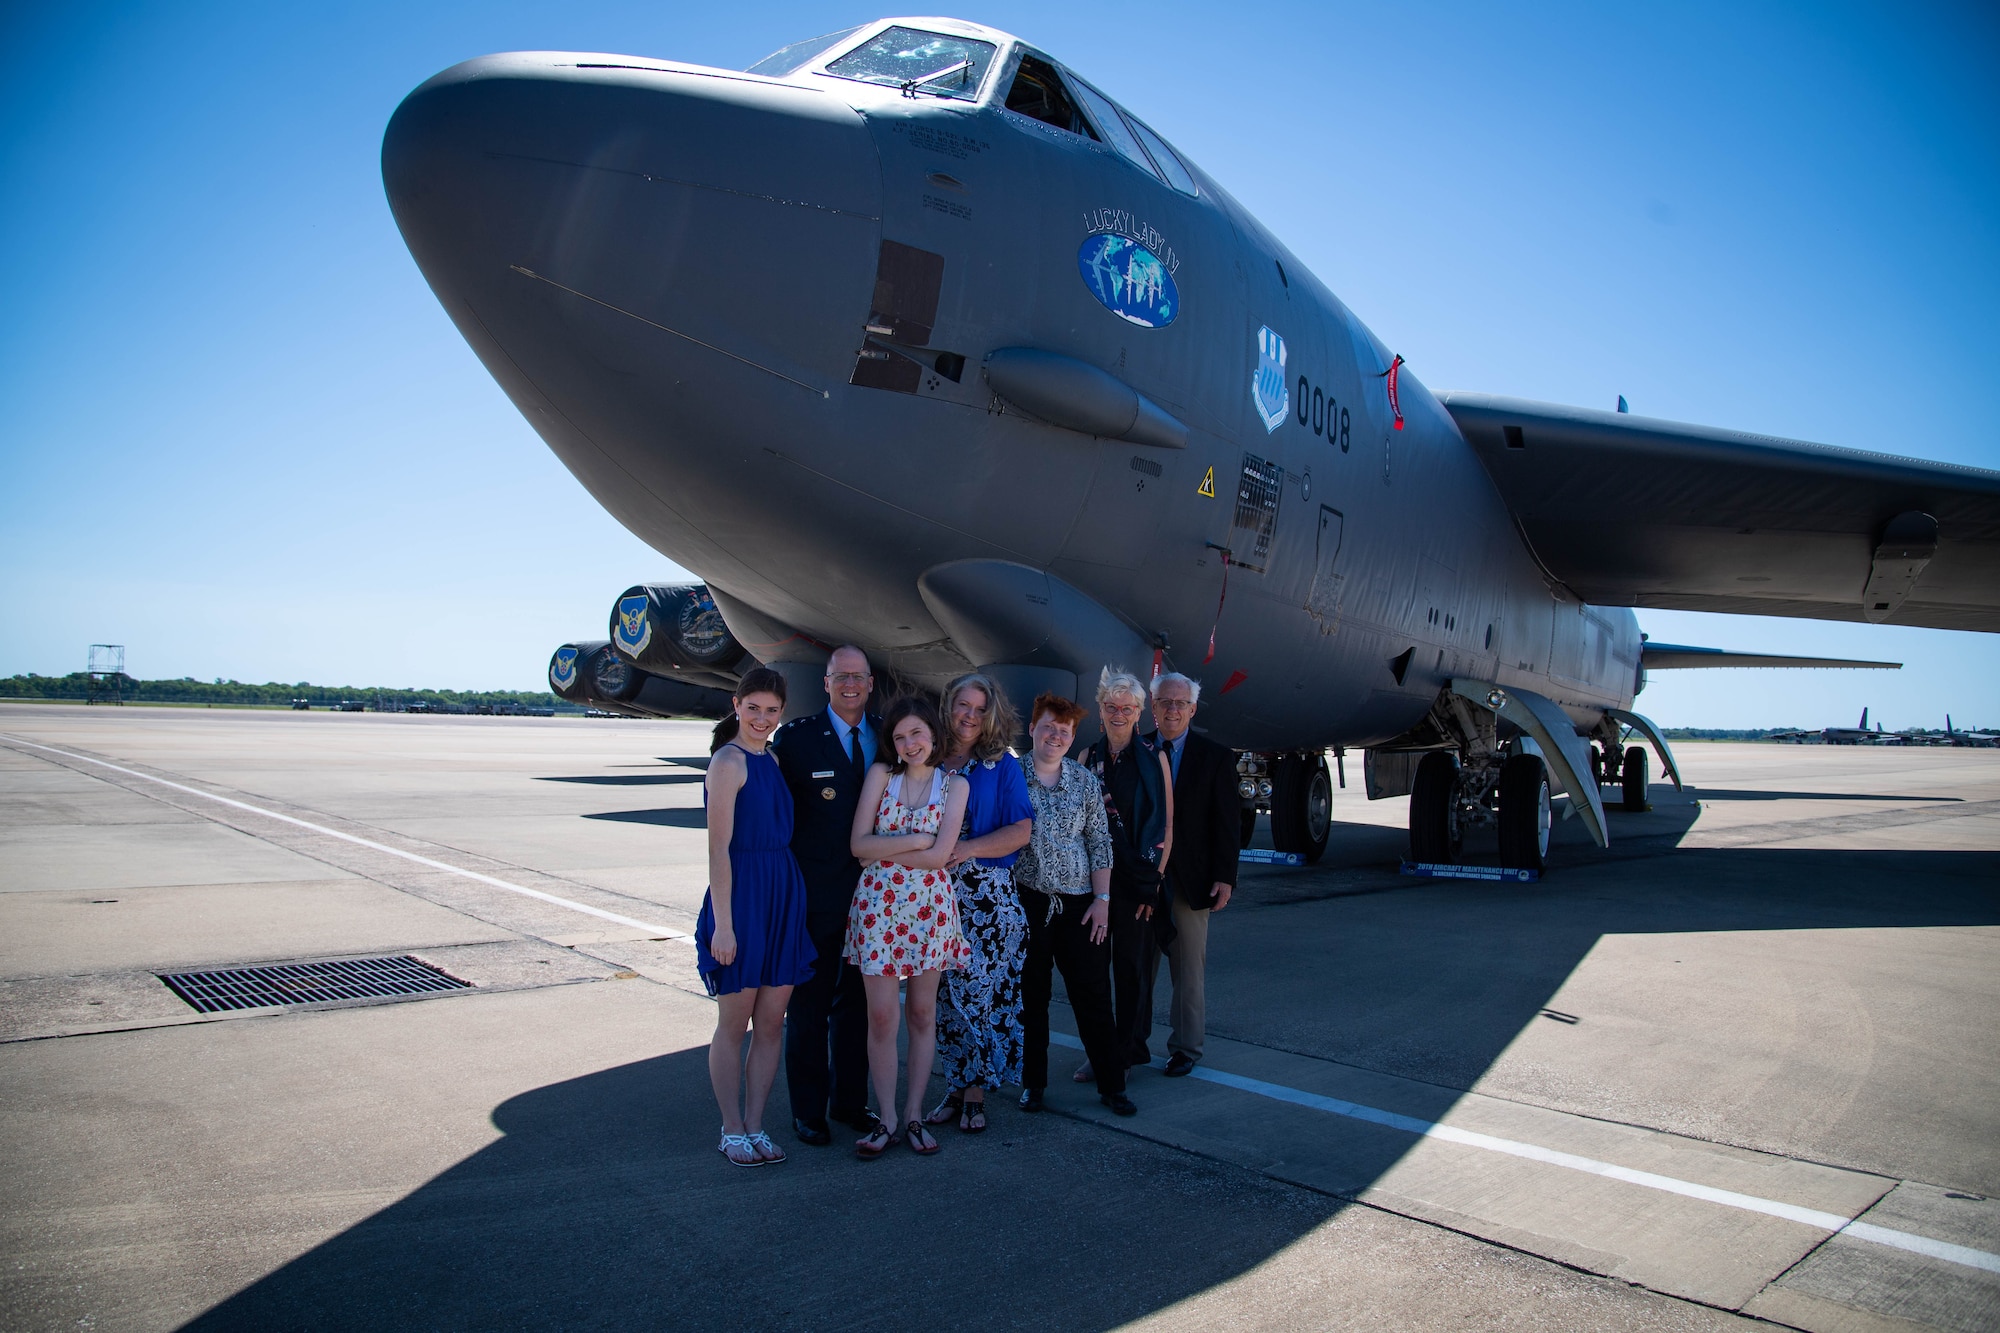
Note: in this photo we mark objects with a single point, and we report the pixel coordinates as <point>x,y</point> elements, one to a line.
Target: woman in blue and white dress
<point>980,1038</point>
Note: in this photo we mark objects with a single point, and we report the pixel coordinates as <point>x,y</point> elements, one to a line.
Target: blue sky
<point>240,437</point>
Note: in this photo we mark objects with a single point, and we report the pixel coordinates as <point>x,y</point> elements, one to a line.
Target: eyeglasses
<point>850,678</point>
<point>1122,710</point>
<point>1172,705</point>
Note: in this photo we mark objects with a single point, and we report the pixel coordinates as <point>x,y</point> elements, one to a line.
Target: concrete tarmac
<point>1741,1066</point>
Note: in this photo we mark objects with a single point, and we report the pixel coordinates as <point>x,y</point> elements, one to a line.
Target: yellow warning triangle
<point>1208,483</point>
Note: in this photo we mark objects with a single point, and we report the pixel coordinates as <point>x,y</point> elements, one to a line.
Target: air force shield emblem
<point>1269,393</point>
<point>635,628</point>
<point>562,669</point>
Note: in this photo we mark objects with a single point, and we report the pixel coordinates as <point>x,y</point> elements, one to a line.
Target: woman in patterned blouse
<point>1064,878</point>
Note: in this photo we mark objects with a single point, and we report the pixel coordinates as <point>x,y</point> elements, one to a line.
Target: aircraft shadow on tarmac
<point>675,817</point>
<point>629,779</point>
<point>604,1202</point>
<point>1729,794</point>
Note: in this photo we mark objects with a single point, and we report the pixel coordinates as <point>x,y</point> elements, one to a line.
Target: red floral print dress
<point>904,922</point>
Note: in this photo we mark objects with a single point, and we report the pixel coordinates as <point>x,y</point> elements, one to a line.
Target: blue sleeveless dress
<point>767,895</point>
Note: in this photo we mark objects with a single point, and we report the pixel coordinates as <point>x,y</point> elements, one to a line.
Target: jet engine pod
<point>671,629</point>
<point>1064,391</point>
<point>569,670</point>
<point>590,673</point>
<point>1032,627</point>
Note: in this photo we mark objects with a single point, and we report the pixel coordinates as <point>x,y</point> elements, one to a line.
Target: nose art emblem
<point>1269,393</point>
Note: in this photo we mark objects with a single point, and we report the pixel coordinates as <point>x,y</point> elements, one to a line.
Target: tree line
<point>187,690</point>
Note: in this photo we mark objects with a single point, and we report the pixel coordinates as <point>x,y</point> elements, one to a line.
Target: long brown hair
<point>757,680</point>
<point>920,708</point>
<point>1001,719</point>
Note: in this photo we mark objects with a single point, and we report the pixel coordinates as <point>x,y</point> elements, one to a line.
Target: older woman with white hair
<point>1139,803</point>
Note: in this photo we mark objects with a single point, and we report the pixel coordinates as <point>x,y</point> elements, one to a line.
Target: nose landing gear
<point>1297,788</point>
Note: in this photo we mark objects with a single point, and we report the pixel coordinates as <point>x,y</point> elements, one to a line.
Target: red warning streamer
<point>1218,602</point>
<point>1395,405</point>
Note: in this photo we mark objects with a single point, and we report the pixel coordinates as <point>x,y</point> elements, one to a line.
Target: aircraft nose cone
<point>638,243</point>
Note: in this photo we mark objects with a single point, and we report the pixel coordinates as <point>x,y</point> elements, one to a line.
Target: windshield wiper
<point>910,86</point>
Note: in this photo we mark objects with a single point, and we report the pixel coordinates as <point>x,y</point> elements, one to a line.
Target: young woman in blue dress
<point>751,945</point>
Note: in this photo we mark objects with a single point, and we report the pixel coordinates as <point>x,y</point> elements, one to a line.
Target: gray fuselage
<point>669,270</point>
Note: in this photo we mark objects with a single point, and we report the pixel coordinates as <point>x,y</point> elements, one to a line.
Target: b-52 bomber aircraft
<point>910,336</point>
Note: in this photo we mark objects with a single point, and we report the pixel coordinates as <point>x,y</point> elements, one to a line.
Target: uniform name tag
<point>827,774</point>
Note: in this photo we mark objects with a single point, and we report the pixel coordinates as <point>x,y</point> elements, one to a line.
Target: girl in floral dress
<point>903,926</point>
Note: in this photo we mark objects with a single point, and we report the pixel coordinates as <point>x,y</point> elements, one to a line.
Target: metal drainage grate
<point>308,983</point>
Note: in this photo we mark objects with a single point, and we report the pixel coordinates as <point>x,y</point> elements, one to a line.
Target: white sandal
<point>768,1153</point>
<point>737,1150</point>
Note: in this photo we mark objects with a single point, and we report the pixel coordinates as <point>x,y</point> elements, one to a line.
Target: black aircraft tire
<point>1636,778</point>
<point>1525,817</point>
<point>1301,805</point>
<point>1431,823</point>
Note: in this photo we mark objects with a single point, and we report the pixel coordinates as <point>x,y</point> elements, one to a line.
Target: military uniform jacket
<point>826,786</point>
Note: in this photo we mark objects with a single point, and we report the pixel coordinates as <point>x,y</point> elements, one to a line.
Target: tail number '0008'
<point>1318,410</point>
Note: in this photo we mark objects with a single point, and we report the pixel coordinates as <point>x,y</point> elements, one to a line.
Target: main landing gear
<point>1297,788</point>
<point>1628,770</point>
<point>1506,792</point>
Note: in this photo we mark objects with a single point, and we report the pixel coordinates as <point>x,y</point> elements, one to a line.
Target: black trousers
<point>1086,972</point>
<point>1134,962</point>
<point>828,1016</point>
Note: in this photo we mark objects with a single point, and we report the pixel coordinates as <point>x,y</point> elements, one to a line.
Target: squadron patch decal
<point>562,669</point>
<point>635,627</point>
<point>1269,393</point>
<point>1128,280</point>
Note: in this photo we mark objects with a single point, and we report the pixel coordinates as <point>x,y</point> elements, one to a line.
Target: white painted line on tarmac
<point>662,932</point>
<point>1430,1129</point>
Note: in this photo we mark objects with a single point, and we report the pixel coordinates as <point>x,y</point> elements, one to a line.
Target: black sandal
<point>970,1112</point>
<point>877,1141</point>
<point>919,1137</point>
<point>946,1111</point>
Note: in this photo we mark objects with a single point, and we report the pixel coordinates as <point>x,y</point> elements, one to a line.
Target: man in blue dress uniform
<point>824,757</point>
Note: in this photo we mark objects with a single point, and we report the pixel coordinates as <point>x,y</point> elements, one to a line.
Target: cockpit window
<point>788,58</point>
<point>919,62</point>
<point>1169,162</point>
<point>1111,126</point>
<point>1038,91</point>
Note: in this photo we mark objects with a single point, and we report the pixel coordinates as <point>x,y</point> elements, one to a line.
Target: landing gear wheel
<point>1524,813</point>
<point>1249,824</point>
<point>1301,805</point>
<point>1635,779</point>
<point>1434,832</point>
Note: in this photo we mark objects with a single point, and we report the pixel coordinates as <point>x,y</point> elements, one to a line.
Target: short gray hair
<point>1176,678</point>
<point>1113,681</point>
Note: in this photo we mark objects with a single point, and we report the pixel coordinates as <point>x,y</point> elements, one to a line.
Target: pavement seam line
<point>1431,1129</point>
<point>658,931</point>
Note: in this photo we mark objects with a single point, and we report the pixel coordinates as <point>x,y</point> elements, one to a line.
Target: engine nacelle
<point>675,630</point>
<point>591,674</point>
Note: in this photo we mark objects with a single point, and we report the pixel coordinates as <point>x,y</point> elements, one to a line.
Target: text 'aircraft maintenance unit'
<point>909,336</point>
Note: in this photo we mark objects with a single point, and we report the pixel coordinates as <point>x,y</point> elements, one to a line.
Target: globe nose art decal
<point>1128,280</point>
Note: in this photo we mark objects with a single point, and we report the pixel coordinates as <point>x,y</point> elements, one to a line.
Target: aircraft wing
<point>1632,511</point>
<point>1678,656</point>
